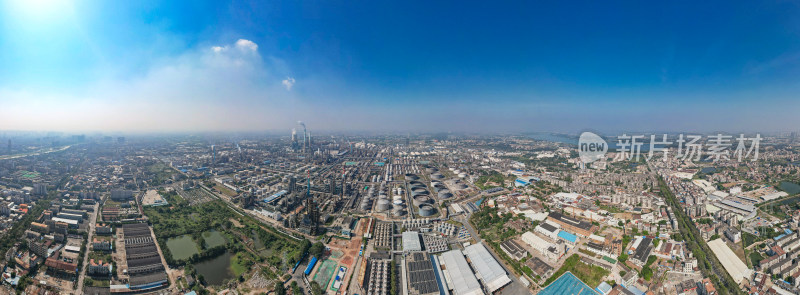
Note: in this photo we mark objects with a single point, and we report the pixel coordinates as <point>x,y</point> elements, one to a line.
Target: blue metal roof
<point>310,265</point>
<point>568,284</point>
<point>604,288</point>
<point>567,236</point>
<point>275,196</point>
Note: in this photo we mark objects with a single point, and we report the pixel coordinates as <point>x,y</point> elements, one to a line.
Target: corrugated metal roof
<point>463,280</point>
<point>493,275</point>
<point>411,241</point>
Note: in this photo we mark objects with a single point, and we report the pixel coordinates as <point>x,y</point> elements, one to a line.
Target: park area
<point>590,274</point>
<point>219,243</point>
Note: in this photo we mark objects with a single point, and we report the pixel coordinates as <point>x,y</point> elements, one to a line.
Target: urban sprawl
<point>418,214</point>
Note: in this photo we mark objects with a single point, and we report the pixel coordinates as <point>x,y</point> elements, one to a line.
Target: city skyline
<point>443,67</point>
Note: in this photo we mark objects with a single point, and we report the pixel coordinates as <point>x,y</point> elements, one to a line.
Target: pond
<point>213,238</point>
<point>182,247</point>
<point>789,187</point>
<point>259,246</point>
<point>708,170</point>
<point>216,270</point>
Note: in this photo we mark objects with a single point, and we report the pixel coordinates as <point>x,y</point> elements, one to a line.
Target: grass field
<point>238,264</point>
<point>325,273</point>
<point>589,274</point>
<point>336,254</point>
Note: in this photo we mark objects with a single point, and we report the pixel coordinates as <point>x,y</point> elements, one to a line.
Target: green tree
<point>316,289</point>
<point>295,288</point>
<point>646,273</point>
<point>316,249</point>
<point>622,257</point>
<point>279,289</point>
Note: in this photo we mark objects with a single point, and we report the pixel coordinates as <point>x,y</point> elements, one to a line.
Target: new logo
<point>591,147</point>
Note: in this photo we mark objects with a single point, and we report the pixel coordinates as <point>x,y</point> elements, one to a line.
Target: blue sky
<point>401,66</point>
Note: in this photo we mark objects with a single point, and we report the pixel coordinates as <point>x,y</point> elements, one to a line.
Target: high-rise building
<point>213,155</point>
<point>311,210</point>
<point>292,183</point>
<point>39,189</point>
<point>344,187</point>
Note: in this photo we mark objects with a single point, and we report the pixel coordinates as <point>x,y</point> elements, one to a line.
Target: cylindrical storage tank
<point>461,186</point>
<point>383,205</point>
<point>439,188</point>
<point>365,204</point>
<point>397,200</point>
<point>456,171</point>
<point>437,176</point>
<point>399,213</point>
<point>422,200</point>
<point>431,169</point>
<point>411,176</point>
<point>462,175</point>
<point>426,210</point>
<point>398,207</point>
<point>420,193</point>
<point>445,194</point>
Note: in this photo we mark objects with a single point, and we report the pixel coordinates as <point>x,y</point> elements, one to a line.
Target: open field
<point>325,273</point>
<point>589,274</point>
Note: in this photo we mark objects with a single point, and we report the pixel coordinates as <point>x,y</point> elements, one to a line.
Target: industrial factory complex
<point>384,215</point>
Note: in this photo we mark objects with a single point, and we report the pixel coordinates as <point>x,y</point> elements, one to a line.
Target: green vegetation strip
<point>708,263</point>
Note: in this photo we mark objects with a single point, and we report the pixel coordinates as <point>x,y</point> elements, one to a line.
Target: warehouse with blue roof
<point>568,284</point>
<point>568,237</point>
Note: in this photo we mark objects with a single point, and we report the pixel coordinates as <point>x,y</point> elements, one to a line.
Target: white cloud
<point>288,83</point>
<point>229,87</point>
<point>244,44</point>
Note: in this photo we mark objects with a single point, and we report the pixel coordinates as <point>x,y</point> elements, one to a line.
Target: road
<point>173,286</point>
<point>90,228</point>
<point>689,231</point>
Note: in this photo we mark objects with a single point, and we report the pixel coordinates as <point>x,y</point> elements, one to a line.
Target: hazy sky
<point>402,66</point>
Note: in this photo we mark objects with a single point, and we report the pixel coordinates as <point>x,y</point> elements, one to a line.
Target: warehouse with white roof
<point>411,241</point>
<point>458,274</point>
<point>491,272</point>
<point>735,267</point>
